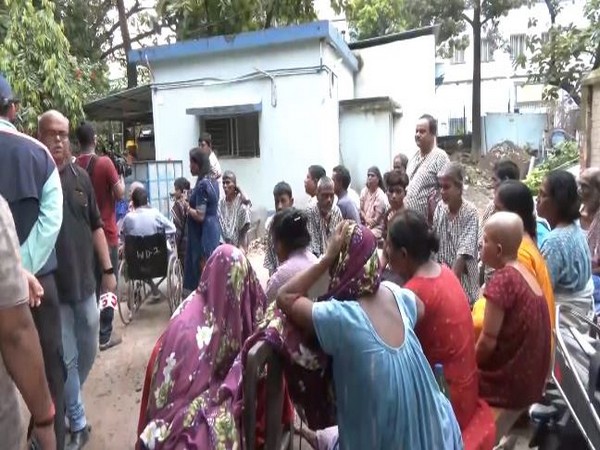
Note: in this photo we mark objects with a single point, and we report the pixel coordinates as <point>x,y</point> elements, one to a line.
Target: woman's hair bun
<point>432,241</point>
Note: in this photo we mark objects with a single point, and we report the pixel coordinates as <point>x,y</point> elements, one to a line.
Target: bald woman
<point>513,349</point>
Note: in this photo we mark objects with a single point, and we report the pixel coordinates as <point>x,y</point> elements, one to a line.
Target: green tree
<point>567,55</point>
<point>35,56</point>
<point>193,18</point>
<point>105,30</point>
<point>372,18</point>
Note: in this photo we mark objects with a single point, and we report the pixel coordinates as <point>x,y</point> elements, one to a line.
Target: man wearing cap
<point>30,183</point>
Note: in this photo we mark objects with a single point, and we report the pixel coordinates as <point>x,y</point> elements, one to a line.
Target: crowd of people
<point>375,303</point>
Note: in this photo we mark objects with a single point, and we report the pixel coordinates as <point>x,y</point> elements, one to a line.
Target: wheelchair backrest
<point>146,256</point>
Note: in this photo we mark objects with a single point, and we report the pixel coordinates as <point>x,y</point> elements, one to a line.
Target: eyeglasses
<point>53,135</point>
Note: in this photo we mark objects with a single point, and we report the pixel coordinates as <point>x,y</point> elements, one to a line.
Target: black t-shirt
<point>75,276</point>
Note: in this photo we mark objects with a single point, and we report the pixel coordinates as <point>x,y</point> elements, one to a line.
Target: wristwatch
<point>110,271</point>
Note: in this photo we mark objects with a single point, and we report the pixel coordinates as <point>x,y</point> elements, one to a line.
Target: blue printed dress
<point>387,398</point>
<point>202,237</point>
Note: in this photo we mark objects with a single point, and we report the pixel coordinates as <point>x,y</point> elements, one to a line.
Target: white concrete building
<point>504,88</point>
<point>277,100</point>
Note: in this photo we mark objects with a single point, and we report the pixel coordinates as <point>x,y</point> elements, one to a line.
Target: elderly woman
<point>234,213</point>
<point>456,223</point>
<point>514,196</point>
<point>589,191</point>
<point>194,376</point>
<point>203,229</point>
<point>445,330</point>
<point>565,248</point>
<point>367,330</point>
<point>373,202</point>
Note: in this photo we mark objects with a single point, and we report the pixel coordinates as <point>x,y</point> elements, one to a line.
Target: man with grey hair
<point>81,236</point>
<point>323,217</point>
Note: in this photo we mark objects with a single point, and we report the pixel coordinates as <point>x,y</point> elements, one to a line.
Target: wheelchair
<point>144,259</point>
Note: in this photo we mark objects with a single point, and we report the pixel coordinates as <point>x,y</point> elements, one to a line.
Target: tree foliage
<point>35,57</point>
<point>372,18</point>
<point>568,54</point>
<point>195,18</point>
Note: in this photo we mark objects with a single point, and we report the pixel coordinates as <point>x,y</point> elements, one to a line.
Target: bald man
<point>81,236</point>
<point>323,217</point>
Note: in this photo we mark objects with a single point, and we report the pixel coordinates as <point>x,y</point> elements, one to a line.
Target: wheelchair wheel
<point>174,284</point>
<point>124,294</point>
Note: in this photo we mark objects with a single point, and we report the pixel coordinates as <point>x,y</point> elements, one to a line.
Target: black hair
<point>181,184</point>
<point>396,178</point>
<point>205,137</point>
<point>377,172</point>
<point>516,198</point>
<point>316,172</point>
<point>562,189</point>
<point>409,230</point>
<point>85,134</point>
<point>290,228</point>
<point>282,188</point>
<point>201,159</point>
<point>344,175</point>
<point>139,197</point>
<point>431,122</point>
<point>506,169</point>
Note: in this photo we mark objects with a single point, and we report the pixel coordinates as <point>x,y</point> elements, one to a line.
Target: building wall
<point>366,139</point>
<point>298,124</point>
<point>591,120</point>
<point>501,80</point>
<point>405,71</point>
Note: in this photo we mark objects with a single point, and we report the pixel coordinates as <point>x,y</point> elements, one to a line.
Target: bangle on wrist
<point>110,271</point>
<point>48,420</point>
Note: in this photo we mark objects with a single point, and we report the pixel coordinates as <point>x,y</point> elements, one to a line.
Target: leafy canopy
<point>36,59</point>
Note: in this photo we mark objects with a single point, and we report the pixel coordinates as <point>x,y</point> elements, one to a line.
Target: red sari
<point>446,335</point>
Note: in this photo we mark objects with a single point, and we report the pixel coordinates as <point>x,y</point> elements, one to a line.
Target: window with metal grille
<point>234,137</point>
<point>458,56</point>
<point>456,125</point>
<point>487,50</point>
<point>517,46</point>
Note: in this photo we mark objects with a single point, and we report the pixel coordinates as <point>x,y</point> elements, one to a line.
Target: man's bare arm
<point>22,354</point>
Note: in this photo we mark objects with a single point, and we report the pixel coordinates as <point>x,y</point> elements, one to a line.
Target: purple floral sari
<point>307,369</point>
<point>195,392</point>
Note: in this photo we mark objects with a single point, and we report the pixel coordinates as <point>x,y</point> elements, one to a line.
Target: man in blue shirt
<point>31,185</point>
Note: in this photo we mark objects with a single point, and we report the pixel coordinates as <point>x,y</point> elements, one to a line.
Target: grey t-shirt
<point>13,291</point>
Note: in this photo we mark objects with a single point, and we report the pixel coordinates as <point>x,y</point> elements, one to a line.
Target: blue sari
<point>202,237</point>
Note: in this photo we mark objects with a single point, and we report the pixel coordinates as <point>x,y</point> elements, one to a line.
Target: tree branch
<point>137,38</point>
<point>136,8</point>
<point>466,18</point>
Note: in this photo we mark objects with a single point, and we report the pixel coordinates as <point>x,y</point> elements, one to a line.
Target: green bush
<point>564,155</point>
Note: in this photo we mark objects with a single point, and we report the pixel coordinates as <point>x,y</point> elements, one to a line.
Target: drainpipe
<point>273,86</point>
